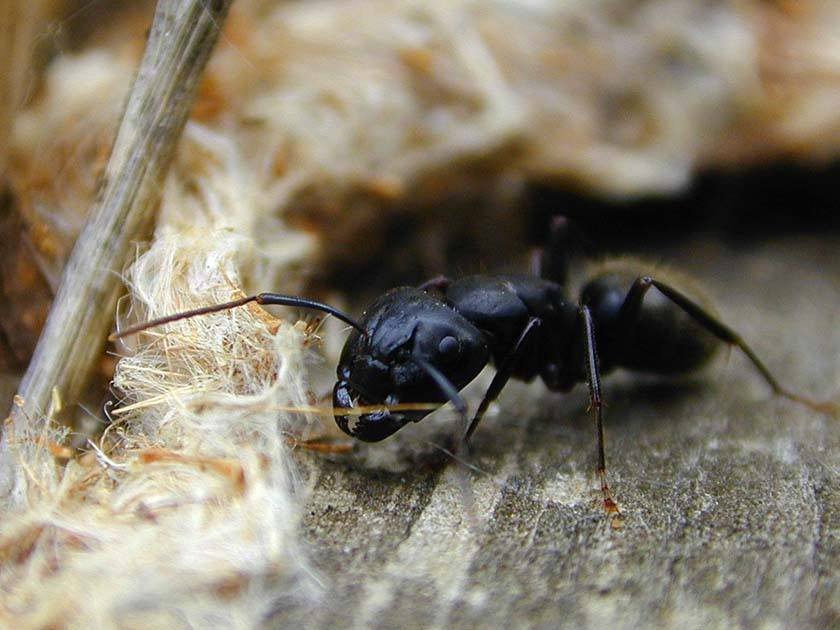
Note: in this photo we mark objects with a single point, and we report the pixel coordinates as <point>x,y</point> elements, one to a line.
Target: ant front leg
<point>631,309</point>
<point>593,379</point>
<point>503,374</point>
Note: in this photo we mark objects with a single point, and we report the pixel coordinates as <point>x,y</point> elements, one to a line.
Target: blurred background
<point>428,138</point>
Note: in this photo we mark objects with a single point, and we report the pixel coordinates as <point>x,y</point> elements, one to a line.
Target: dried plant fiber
<point>185,511</point>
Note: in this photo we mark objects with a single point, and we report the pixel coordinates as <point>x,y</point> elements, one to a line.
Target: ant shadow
<point>531,422</point>
<point>633,405</point>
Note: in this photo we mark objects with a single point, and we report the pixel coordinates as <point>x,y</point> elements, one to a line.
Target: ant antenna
<point>259,298</point>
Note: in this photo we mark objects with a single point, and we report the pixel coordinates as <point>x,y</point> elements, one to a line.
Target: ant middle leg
<point>593,379</point>
<point>631,309</point>
<point>503,374</point>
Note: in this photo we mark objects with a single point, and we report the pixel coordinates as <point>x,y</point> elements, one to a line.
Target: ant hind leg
<point>632,306</point>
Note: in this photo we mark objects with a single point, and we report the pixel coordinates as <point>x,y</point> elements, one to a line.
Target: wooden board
<point>730,496</point>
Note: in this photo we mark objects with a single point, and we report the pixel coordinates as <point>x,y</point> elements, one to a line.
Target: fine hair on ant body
<point>425,344</point>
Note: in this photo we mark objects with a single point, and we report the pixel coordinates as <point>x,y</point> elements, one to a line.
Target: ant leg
<point>628,315</point>
<point>503,374</point>
<point>552,261</point>
<point>632,304</point>
<point>438,283</point>
<point>451,392</point>
<point>593,379</point>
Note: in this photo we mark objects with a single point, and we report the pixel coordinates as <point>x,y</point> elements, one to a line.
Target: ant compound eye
<point>448,347</point>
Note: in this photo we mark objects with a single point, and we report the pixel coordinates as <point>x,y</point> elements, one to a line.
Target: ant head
<point>407,334</point>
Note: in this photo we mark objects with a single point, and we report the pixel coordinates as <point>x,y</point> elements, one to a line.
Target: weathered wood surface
<point>730,496</point>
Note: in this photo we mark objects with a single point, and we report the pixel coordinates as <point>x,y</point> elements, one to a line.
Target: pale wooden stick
<point>182,36</point>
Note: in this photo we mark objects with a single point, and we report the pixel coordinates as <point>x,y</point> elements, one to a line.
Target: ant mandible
<point>425,344</point>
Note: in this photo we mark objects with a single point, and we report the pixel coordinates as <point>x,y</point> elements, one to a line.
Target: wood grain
<point>730,496</point>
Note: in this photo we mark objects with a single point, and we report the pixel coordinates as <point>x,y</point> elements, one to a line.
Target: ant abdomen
<point>639,327</point>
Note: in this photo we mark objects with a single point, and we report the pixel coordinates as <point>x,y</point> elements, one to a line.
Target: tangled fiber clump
<point>184,510</point>
<point>187,498</point>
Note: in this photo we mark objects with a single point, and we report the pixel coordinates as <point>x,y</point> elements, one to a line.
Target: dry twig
<point>182,36</point>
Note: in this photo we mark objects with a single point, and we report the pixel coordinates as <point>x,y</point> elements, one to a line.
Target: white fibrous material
<point>184,511</point>
<point>326,114</point>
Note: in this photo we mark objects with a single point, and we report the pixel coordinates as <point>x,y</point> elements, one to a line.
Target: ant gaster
<point>425,344</point>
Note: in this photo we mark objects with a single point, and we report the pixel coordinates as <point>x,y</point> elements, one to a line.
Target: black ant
<point>427,343</point>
